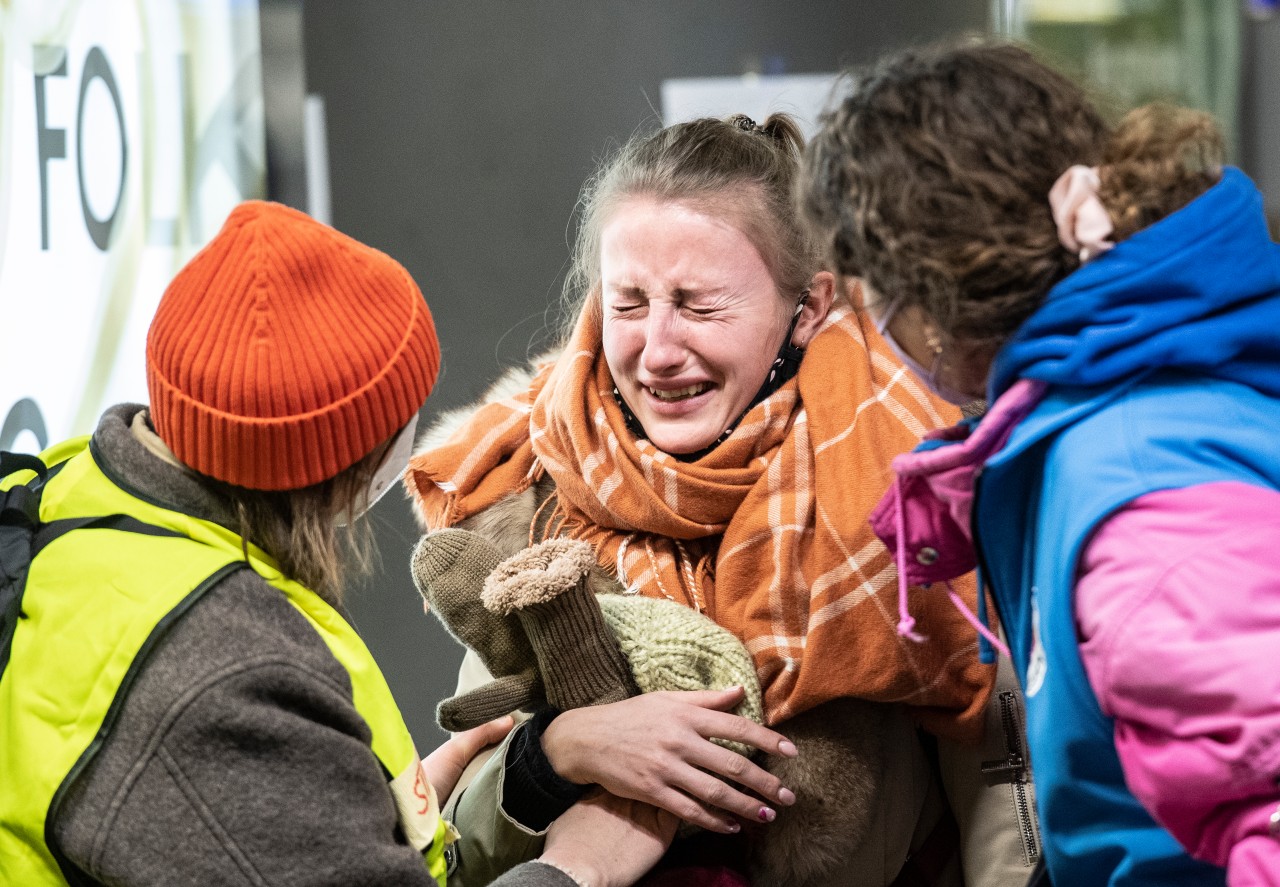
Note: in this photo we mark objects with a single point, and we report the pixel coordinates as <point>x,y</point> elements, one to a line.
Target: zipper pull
<point>1013,765</point>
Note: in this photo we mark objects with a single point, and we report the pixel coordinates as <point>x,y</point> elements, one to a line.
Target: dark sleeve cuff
<point>533,793</point>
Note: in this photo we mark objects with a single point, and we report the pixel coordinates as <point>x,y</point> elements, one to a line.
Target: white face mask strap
<point>390,471</point>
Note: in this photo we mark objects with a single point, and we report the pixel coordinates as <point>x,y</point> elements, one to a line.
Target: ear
<point>815,309</point>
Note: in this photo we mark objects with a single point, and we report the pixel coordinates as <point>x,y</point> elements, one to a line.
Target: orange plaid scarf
<point>767,534</point>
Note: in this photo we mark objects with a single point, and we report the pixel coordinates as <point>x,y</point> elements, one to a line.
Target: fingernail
<point>786,796</point>
<point>766,814</point>
<point>732,828</point>
<point>788,748</point>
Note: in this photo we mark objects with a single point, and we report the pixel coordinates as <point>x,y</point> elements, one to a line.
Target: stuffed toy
<point>552,627</point>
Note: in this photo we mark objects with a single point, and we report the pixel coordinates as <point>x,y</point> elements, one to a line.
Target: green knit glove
<point>671,647</point>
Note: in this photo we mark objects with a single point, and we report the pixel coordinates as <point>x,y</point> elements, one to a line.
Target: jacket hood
<point>1199,290</point>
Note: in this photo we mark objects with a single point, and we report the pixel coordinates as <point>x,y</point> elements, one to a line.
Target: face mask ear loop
<point>883,323</point>
<point>789,349</point>
<point>906,624</point>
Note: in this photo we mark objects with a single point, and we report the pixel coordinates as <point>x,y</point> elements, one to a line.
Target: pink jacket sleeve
<point>1178,613</point>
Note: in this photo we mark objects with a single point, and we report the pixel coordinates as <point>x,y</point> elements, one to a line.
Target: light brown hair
<point>1160,158</point>
<point>730,168</point>
<point>299,528</point>
<point>930,180</point>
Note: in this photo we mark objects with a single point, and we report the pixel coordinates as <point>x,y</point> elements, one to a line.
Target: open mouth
<point>675,394</point>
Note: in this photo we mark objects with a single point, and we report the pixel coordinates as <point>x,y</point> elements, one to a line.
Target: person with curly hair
<point>1114,294</point>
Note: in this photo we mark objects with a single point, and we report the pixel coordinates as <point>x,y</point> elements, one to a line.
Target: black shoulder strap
<point>19,518</point>
<point>20,505</point>
<point>48,532</point>
<point>11,462</point>
<point>23,536</point>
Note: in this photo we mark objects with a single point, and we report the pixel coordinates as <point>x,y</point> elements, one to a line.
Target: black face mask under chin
<point>783,370</point>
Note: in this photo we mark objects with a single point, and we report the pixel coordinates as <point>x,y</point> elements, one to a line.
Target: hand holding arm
<point>444,765</point>
<point>607,841</point>
<point>657,748</point>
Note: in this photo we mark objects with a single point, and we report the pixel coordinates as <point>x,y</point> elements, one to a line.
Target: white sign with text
<point>128,131</point>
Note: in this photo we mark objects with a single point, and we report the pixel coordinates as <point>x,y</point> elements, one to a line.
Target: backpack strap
<point>11,462</point>
<point>23,536</point>
<point>19,517</point>
<point>20,504</point>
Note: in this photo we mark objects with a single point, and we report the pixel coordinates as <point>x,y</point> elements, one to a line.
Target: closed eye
<point>626,304</point>
<point>705,306</point>
<point>624,299</point>
<point>704,302</point>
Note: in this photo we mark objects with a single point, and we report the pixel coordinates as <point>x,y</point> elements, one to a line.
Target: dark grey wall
<point>284,92</point>
<point>460,132</point>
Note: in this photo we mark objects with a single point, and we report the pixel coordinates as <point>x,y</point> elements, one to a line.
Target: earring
<point>934,342</point>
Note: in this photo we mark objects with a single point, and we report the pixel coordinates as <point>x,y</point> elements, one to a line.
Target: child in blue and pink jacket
<point>1115,296</point>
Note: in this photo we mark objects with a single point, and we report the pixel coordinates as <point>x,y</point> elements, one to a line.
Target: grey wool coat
<point>239,757</point>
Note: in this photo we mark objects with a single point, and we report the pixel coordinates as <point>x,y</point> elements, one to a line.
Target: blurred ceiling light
<point>1074,10</point>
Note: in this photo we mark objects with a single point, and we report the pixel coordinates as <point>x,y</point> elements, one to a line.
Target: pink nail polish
<point>766,814</point>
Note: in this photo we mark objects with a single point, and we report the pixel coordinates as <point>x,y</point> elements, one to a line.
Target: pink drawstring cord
<point>975,621</point>
<point>906,623</point>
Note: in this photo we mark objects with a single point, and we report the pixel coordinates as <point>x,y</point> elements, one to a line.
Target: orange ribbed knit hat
<point>285,351</point>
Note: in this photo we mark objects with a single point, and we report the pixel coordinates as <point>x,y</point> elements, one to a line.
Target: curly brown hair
<point>930,181</point>
<point>1160,158</point>
<point>731,168</point>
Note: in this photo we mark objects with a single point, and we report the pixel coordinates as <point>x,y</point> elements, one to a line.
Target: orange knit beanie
<point>285,352</point>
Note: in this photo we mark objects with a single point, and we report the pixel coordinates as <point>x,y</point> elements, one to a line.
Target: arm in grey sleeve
<point>534,874</point>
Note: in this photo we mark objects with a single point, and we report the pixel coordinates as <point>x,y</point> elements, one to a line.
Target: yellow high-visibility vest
<point>96,601</point>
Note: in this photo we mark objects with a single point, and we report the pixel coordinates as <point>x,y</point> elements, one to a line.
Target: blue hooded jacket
<point>1199,290</point>
<point>1146,351</point>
